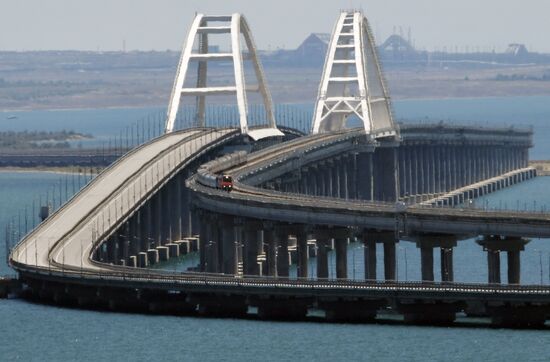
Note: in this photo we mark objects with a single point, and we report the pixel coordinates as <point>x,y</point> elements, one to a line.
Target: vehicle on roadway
<point>224,182</point>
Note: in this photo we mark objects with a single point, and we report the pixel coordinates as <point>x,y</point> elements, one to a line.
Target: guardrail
<point>208,279</point>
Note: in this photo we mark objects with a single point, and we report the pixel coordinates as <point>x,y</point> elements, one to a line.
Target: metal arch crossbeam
<point>352,81</point>
<point>237,28</point>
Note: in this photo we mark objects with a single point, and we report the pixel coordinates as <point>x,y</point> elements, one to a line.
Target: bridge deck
<point>66,239</point>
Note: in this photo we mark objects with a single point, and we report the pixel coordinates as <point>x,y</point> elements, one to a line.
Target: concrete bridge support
<point>213,249</point>
<point>156,210</point>
<point>340,236</point>
<point>426,244</point>
<point>145,226</point>
<point>176,186</point>
<point>364,181</point>
<point>135,242</point>
<point>388,239</point>
<point>281,236</point>
<point>112,249</point>
<point>253,246</point>
<point>323,241</point>
<point>229,244</point>
<point>493,245</point>
<point>205,237</point>
<point>303,254</point>
<point>270,243</point>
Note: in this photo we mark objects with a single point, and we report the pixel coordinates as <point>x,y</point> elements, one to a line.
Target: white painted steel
<point>352,61</point>
<point>237,27</point>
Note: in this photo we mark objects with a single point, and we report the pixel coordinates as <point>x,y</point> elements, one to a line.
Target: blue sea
<point>38,332</point>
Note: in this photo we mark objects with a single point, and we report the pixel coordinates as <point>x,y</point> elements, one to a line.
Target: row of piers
<point>363,175</point>
<point>280,306</point>
<point>438,169</point>
<point>163,227</point>
<point>473,191</point>
<point>388,172</point>
<point>239,246</point>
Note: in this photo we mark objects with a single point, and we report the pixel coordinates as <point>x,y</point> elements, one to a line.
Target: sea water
<point>30,331</point>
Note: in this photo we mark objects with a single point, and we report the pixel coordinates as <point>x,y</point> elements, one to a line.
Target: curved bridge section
<point>87,250</point>
<point>67,239</point>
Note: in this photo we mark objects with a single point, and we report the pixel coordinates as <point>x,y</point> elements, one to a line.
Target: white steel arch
<point>352,81</point>
<point>235,25</point>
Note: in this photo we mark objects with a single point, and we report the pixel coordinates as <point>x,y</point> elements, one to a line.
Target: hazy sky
<point>162,24</point>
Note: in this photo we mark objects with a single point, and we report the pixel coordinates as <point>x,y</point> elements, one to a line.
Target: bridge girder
<point>352,83</point>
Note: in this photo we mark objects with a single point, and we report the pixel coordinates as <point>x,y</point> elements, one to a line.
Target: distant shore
<point>59,170</point>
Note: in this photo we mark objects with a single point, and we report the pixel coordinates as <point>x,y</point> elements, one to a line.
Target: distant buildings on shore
<point>395,51</point>
<point>398,51</point>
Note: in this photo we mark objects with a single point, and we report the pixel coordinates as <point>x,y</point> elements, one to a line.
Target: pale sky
<point>162,24</point>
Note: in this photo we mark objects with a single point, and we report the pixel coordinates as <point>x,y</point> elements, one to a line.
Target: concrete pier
<point>493,245</point>
<point>388,239</point>
<point>426,243</point>
<point>164,253</point>
<point>174,250</point>
<point>142,261</point>
<point>322,257</point>
<point>282,253</point>
<point>303,254</point>
<point>153,256</point>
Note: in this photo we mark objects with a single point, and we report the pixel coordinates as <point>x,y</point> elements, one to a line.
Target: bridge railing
<point>216,280</point>
<point>485,209</point>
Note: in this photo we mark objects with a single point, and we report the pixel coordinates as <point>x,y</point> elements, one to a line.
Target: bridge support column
<point>493,245</point>
<point>212,247</point>
<point>252,247</point>
<point>341,258</point>
<point>229,262</point>
<point>145,226</point>
<point>175,229</point>
<point>204,238</point>
<point>185,207</point>
<point>371,237</point>
<point>322,240</point>
<point>389,260</point>
<point>365,176</point>
<point>271,250</point>
<point>281,236</point>
<point>447,272</point>
<point>352,176</point>
<point>343,178</point>
<point>427,263</point>
<point>135,242</point>
<point>340,237</point>
<point>166,214</point>
<point>157,219</point>
<point>370,258</point>
<point>303,255</point>
<point>426,244</point>
<point>112,250</point>
<point>124,242</point>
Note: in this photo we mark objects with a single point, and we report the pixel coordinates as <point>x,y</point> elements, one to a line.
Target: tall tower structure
<point>236,27</point>
<point>352,85</point>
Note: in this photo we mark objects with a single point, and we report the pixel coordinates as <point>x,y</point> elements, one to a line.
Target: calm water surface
<point>37,332</point>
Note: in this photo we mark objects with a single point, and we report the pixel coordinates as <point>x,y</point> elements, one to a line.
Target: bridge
<point>378,183</point>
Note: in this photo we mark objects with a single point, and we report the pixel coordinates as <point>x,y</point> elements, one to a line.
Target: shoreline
<point>68,170</point>
<point>163,106</point>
